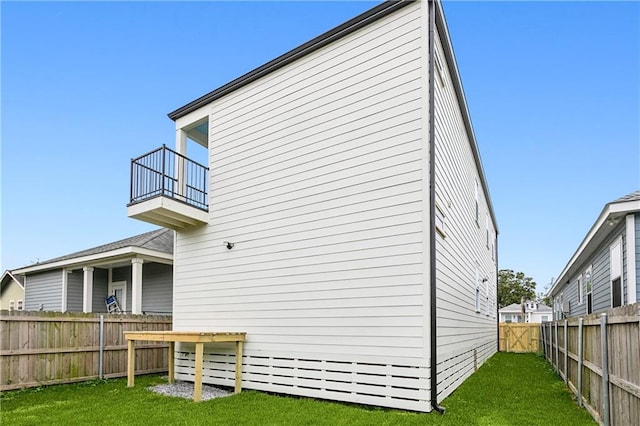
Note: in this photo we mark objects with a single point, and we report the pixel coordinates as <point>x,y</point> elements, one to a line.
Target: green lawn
<point>510,389</point>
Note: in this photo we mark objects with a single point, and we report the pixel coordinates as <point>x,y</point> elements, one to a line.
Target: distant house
<point>138,270</point>
<point>343,220</point>
<point>11,291</point>
<point>604,272</point>
<point>534,312</point>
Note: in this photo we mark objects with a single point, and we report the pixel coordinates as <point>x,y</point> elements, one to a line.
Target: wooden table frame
<point>197,337</point>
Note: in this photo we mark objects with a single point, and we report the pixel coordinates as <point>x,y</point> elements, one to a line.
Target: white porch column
<point>87,289</point>
<point>181,148</point>
<point>136,286</point>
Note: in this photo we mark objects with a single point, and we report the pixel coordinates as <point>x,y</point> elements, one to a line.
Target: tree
<point>513,287</point>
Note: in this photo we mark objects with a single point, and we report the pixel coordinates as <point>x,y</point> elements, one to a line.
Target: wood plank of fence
<point>41,348</point>
<point>622,348</point>
<point>519,337</point>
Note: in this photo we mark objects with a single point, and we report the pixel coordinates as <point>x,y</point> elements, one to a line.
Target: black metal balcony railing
<point>164,172</point>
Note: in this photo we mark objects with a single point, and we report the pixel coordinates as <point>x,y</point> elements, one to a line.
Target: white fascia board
<point>8,272</point>
<point>101,258</point>
<point>609,209</point>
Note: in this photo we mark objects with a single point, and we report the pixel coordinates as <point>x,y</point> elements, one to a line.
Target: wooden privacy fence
<point>42,348</point>
<point>598,356</point>
<point>519,337</point>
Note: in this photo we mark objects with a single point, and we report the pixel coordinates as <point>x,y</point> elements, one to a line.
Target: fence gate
<point>516,337</point>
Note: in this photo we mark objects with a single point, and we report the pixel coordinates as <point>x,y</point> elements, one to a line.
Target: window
<point>440,222</point>
<point>486,297</point>
<point>439,68</point>
<point>486,223</point>
<point>20,305</point>
<point>477,301</point>
<point>545,318</point>
<point>12,305</point>
<point>579,284</point>
<point>477,196</point>
<point>615,273</point>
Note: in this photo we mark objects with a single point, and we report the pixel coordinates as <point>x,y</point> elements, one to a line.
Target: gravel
<point>185,390</point>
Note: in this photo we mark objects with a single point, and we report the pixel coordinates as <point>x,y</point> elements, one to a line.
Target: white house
<point>534,312</point>
<point>343,221</point>
<point>604,272</point>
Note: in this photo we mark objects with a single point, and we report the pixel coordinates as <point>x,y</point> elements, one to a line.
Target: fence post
<point>557,349</point>
<point>550,340</point>
<point>605,370</point>
<point>101,357</point>
<point>544,347</point>
<point>566,354</point>
<point>580,356</point>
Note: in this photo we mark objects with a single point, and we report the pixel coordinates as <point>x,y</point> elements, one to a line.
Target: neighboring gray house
<point>534,312</point>
<point>343,220</point>
<point>138,270</point>
<point>604,272</point>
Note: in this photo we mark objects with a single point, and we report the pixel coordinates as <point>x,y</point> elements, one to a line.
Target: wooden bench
<point>197,337</point>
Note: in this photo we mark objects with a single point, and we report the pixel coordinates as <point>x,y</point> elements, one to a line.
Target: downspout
<point>432,214</point>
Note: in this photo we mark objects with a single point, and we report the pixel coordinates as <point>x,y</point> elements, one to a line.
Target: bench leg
<point>170,361</point>
<point>131,363</point>
<point>238,383</point>
<point>197,385</point>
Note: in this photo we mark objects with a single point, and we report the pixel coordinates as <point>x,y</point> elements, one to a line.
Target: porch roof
<point>156,245</point>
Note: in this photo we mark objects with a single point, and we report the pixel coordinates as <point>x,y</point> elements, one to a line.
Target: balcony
<point>169,190</point>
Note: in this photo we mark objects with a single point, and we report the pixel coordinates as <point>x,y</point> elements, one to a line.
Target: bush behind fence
<point>42,348</point>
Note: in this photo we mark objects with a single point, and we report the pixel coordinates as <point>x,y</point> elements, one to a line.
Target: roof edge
<point>13,277</point>
<point>441,24</point>
<point>616,207</point>
<point>312,45</point>
<point>98,258</point>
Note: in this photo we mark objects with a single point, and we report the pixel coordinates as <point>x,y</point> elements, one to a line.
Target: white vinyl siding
<point>463,334</point>
<point>316,177</point>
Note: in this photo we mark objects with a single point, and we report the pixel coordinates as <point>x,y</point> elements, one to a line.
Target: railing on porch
<point>164,172</point>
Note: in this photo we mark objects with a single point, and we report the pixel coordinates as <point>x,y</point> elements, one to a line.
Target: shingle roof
<point>515,307</point>
<point>160,240</point>
<point>634,196</point>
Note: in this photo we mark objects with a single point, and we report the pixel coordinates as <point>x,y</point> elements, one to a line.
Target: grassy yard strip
<point>510,389</point>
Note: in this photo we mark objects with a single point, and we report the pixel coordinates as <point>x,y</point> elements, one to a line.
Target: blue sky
<point>553,90</point>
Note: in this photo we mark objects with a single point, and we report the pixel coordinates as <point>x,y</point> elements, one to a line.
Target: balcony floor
<point>168,213</point>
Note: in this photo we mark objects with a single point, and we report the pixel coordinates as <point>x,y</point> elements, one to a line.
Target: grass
<point>509,389</point>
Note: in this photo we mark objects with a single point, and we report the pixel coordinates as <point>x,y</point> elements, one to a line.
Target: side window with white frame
<point>486,224</point>
<point>20,305</point>
<point>440,222</point>
<point>477,294</point>
<point>477,202</point>
<point>579,285</point>
<point>439,68</point>
<point>486,297</point>
<point>615,273</point>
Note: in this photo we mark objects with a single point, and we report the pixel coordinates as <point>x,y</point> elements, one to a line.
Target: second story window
<point>477,199</point>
